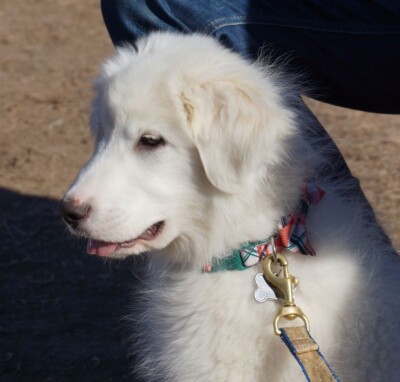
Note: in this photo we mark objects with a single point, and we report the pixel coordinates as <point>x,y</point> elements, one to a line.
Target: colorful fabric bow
<point>292,236</point>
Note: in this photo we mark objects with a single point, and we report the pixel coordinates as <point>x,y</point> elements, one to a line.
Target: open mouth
<point>104,248</point>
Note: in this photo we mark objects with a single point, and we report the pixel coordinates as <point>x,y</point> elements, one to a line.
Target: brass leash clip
<point>283,286</point>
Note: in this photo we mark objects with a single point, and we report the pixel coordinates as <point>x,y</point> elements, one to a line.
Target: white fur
<point>234,162</point>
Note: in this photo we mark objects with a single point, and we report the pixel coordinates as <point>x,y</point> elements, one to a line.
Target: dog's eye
<point>151,140</point>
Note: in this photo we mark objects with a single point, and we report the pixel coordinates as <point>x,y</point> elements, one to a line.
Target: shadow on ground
<point>61,310</point>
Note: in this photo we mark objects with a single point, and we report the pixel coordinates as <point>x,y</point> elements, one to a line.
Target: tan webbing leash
<point>306,352</point>
<point>297,338</point>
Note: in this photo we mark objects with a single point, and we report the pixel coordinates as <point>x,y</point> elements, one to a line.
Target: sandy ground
<point>49,52</point>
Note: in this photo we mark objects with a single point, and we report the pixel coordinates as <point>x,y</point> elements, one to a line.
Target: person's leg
<point>348,51</point>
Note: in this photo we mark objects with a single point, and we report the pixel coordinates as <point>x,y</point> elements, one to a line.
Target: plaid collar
<point>291,236</point>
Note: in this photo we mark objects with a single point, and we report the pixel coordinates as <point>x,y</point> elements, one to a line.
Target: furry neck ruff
<point>291,236</point>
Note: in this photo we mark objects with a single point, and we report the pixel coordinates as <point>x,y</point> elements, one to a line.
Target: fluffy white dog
<point>197,152</point>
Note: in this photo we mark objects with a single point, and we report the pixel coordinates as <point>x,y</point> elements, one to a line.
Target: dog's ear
<point>231,127</point>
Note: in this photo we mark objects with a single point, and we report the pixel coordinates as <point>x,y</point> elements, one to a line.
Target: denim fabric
<point>349,51</point>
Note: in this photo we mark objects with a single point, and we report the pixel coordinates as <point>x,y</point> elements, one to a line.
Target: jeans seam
<point>358,29</point>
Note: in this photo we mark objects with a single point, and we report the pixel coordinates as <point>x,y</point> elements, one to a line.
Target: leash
<point>296,338</point>
<point>307,354</point>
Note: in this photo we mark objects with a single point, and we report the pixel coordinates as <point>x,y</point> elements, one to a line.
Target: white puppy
<point>197,152</point>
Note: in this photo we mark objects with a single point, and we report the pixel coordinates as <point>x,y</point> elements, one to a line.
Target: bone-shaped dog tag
<point>264,292</point>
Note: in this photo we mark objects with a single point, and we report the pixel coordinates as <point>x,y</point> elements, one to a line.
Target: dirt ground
<point>49,52</point>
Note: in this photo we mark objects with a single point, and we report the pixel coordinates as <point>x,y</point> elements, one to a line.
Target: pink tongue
<point>100,248</point>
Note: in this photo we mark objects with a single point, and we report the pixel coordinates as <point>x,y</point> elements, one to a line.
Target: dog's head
<point>178,122</point>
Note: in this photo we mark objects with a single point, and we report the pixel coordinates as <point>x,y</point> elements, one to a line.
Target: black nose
<point>72,212</point>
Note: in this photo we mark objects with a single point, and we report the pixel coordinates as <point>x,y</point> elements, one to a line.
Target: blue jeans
<point>349,51</point>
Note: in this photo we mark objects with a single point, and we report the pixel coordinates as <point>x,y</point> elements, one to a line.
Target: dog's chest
<point>209,327</point>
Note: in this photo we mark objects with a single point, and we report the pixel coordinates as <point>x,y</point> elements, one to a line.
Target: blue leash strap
<point>306,352</point>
